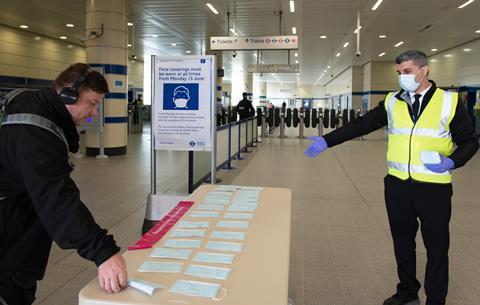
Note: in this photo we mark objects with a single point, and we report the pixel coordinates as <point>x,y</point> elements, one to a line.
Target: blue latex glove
<point>445,164</point>
<point>318,145</point>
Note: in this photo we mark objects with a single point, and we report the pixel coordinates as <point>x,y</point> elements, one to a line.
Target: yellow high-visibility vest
<point>431,132</point>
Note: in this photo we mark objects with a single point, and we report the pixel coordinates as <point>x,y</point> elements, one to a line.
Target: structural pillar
<point>379,78</point>
<point>108,53</point>
<point>219,61</point>
<point>249,82</point>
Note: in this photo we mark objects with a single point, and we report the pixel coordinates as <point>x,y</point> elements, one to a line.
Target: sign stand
<point>187,88</point>
<point>101,134</point>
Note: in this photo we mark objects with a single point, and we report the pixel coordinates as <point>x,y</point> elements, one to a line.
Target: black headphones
<point>69,95</point>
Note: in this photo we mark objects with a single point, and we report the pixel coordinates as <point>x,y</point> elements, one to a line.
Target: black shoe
<point>399,300</point>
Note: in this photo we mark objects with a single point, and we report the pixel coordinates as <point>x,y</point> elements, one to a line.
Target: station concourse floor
<point>341,250</point>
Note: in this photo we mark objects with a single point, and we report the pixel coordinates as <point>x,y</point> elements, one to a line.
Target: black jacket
<point>461,128</point>
<point>245,109</point>
<point>40,201</point>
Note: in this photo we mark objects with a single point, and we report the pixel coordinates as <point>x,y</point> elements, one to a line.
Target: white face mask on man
<point>408,82</point>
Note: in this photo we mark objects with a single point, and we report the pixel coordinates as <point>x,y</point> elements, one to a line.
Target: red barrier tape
<point>160,229</point>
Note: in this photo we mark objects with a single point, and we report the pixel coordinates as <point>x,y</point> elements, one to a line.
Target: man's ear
<point>427,70</point>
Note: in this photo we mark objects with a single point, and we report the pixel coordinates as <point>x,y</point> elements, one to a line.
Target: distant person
<point>429,136</point>
<point>135,107</point>
<point>140,100</point>
<point>39,201</point>
<point>219,111</point>
<point>244,107</point>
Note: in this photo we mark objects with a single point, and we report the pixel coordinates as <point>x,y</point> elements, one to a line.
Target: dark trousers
<point>17,291</point>
<point>408,202</point>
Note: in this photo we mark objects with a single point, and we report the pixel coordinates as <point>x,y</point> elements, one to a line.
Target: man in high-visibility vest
<point>424,122</point>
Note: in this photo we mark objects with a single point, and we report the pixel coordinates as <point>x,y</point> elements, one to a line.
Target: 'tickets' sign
<point>254,43</point>
<point>183,101</point>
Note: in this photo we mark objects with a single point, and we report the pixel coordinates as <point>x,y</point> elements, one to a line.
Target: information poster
<point>183,102</point>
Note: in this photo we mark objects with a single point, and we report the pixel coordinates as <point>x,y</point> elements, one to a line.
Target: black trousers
<point>17,291</point>
<point>408,202</point>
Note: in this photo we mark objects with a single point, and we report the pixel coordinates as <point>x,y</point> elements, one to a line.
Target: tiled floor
<point>341,251</point>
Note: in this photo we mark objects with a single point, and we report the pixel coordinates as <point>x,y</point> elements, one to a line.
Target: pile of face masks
<point>230,208</point>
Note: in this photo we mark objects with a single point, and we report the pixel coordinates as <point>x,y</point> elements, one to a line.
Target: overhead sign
<point>254,43</point>
<point>183,101</point>
<point>274,68</point>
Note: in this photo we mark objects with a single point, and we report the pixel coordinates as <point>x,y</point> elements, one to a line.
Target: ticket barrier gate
<point>303,118</point>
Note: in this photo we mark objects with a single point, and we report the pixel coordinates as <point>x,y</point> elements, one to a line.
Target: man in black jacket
<point>245,108</point>
<point>424,122</point>
<point>39,202</point>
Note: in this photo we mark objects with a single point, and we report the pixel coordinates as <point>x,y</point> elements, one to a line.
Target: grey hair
<point>418,57</point>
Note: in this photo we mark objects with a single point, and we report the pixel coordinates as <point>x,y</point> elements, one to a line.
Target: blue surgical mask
<point>144,286</point>
<point>171,253</point>
<point>408,82</point>
<point>224,246</point>
<point>187,233</point>
<point>233,224</point>
<point>162,267</point>
<point>214,258</point>
<point>208,272</point>
<point>238,216</point>
<point>193,224</point>
<point>183,243</point>
<point>195,214</point>
<point>195,289</point>
<point>228,235</point>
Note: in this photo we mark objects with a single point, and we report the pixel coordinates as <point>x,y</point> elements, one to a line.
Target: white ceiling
<point>189,23</point>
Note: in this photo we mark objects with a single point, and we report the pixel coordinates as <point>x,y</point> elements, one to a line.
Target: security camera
<point>91,35</point>
<point>133,56</point>
<point>234,54</point>
<point>358,53</point>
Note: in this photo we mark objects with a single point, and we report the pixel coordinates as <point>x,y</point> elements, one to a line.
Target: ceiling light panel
<point>377,4</point>
<point>212,8</point>
<point>466,3</point>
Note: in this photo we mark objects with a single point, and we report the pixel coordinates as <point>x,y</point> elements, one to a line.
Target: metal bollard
<point>338,116</point>
<point>301,126</point>
<point>359,114</point>
<point>282,125</point>
<point>264,126</point>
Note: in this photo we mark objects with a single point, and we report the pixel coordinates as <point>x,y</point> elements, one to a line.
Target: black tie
<point>416,105</point>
